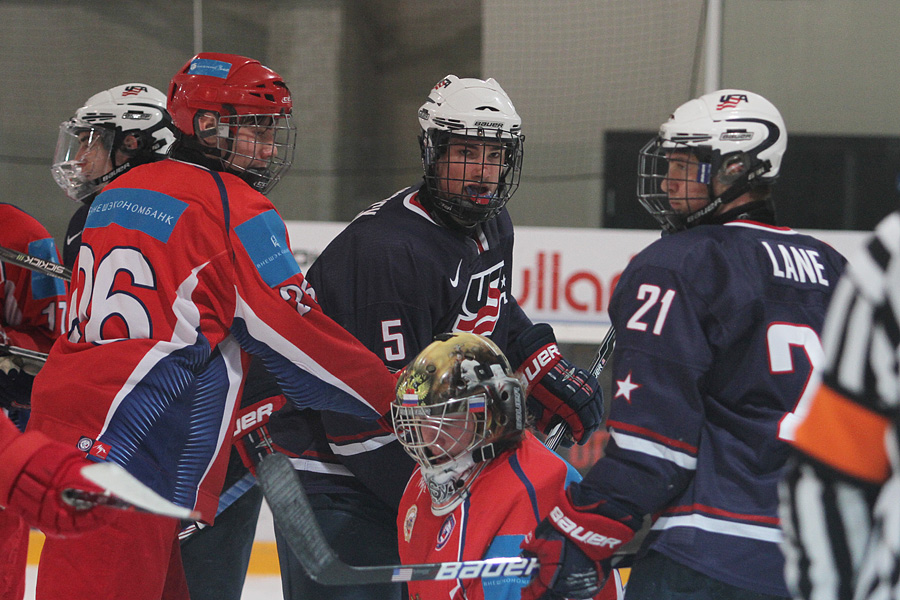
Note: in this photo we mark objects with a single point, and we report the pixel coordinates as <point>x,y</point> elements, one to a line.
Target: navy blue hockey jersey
<point>395,278</point>
<point>717,330</point>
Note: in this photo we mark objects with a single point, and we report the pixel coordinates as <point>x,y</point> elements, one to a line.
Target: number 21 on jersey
<point>651,295</point>
<point>780,339</point>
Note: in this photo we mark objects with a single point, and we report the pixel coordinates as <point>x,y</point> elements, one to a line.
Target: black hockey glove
<point>556,387</point>
<point>15,384</point>
<point>574,549</point>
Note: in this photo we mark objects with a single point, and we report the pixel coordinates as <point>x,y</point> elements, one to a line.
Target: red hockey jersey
<point>183,271</point>
<point>32,301</point>
<point>507,501</point>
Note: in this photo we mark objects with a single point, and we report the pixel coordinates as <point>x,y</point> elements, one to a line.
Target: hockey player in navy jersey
<point>184,271</point>
<point>483,479</point>
<point>433,258</point>
<point>717,332</point>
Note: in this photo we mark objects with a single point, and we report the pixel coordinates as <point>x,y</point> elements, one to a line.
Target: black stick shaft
<point>33,263</point>
<point>297,522</point>
<point>605,350</point>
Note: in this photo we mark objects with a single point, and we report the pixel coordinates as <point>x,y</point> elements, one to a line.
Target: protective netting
<point>358,72</point>
<point>578,69</point>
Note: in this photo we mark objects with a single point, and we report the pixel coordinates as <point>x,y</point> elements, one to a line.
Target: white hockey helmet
<point>481,111</point>
<point>458,404</point>
<point>107,118</point>
<point>739,139</point>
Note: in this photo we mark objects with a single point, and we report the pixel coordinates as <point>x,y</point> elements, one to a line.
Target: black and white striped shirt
<point>840,498</point>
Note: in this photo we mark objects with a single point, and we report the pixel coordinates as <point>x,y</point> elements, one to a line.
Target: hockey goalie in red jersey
<point>185,270</point>
<point>483,479</point>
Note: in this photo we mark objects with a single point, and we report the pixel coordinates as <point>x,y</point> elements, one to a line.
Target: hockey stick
<point>123,491</point>
<point>226,499</point>
<point>34,263</point>
<point>295,519</point>
<point>32,355</point>
<point>30,361</point>
<point>605,350</point>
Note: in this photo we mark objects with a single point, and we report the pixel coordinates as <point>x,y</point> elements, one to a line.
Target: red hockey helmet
<point>240,92</point>
<point>226,84</point>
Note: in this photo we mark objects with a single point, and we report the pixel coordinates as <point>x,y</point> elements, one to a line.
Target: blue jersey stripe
<point>149,212</point>
<point>265,240</point>
<point>43,285</point>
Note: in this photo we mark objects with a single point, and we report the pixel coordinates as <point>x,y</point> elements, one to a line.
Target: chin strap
<point>492,450</point>
<point>741,186</point>
<point>107,177</point>
<point>188,149</point>
<point>439,216</point>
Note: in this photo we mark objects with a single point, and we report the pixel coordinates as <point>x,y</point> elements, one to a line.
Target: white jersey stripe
<point>714,525</point>
<point>313,466</point>
<point>636,444</point>
<point>363,447</point>
<point>260,330</point>
<point>761,227</point>
<point>184,334</point>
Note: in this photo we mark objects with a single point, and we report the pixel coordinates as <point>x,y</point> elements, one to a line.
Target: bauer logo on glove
<point>579,533</point>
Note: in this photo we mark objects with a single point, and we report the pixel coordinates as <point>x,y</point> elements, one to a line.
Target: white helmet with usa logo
<point>738,138</point>
<point>481,114</point>
<point>116,129</point>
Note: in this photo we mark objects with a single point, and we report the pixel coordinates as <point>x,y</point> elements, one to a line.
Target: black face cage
<point>283,142</point>
<point>653,171</point>
<point>475,205</point>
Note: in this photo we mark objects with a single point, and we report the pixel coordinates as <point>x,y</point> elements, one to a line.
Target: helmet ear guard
<point>738,135</point>
<point>732,167</point>
<point>508,403</point>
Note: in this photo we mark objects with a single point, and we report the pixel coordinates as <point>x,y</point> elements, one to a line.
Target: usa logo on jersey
<point>484,297</point>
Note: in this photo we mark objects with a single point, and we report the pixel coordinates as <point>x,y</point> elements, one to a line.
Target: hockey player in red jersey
<point>483,479</point>
<point>115,130</point>
<point>33,304</point>
<point>449,240</point>
<point>32,311</point>
<point>184,270</point>
<point>34,470</point>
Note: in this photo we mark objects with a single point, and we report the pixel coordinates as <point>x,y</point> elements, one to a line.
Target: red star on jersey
<point>625,387</point>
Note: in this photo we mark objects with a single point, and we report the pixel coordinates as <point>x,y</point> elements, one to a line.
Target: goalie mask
<point>711,151</point>
<point>458,405</point>
<point>115,130</point>
<point>237,113</point>
<point>472,149</point>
